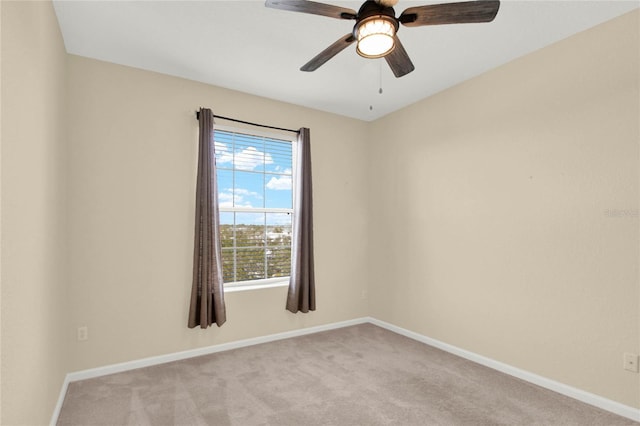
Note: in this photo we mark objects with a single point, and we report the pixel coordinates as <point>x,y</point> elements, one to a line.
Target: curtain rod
<point>249,123</point>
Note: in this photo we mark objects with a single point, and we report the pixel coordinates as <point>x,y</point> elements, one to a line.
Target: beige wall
<point>133,141</point>
<point>34,298</point>
<point>489,217</point>
<point>0,210</point>
<point>477,217</point>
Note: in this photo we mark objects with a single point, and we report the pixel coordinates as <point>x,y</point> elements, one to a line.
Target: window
<point>255,195</point>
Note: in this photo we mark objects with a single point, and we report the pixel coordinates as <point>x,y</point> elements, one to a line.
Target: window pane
<point>249,189</point>
<point>226,229</point>
<point>226,218</point>
<point>249,153</point>
<point>280,155</point>
<point>250,264</point>
<point>278,262</point>
<point>278,192</point>
<point>254,172</point>
<point>224,149</point>
<point>227,265</point>
<point>225,188</point>
<point>278,229</point>
<point>250,229</point>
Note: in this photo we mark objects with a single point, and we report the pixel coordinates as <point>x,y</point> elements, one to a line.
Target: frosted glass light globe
<point>375,37</point>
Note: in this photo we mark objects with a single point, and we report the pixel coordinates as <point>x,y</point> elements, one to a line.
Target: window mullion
<point>233,203</point>
<point>235,250</point>
<point>264,245</point>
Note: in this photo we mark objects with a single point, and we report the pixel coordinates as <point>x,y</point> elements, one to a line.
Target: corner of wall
<point>32,166</point>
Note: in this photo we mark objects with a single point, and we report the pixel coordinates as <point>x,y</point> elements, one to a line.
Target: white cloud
<point>222,153</point>
<point>244,192</point>
<point>227,198</point>
<point>279,169</point>
<point>282,182</point>
<point>247,159</point>
<point>250,158</point>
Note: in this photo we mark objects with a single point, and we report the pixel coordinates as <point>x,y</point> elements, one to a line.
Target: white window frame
<point>289,137</point>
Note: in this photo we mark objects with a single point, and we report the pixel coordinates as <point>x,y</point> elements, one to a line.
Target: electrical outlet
<point>83,333</point>
<point>630,362</point>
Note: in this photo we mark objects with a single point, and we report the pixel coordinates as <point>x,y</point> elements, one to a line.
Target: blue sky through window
<point>253,172</point>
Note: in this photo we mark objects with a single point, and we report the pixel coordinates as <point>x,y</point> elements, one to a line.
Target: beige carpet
<point>361,375</point>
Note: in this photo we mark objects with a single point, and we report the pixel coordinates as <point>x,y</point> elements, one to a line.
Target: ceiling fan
<point>376,26</point>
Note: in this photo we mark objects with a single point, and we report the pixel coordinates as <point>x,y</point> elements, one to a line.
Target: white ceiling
<point>243,45</point>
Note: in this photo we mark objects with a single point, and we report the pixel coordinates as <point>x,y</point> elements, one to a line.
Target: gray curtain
<point>207,296</point>
<point>302,292</point>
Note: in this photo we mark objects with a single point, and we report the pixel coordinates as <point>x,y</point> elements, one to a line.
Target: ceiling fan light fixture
<point>375,36</point>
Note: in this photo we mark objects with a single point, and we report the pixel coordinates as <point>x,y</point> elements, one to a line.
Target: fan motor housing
<point>370,8</point>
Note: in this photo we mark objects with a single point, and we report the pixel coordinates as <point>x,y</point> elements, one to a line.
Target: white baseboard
<point>191,353</point>
<point>58,407</point>
<point>561,388</point>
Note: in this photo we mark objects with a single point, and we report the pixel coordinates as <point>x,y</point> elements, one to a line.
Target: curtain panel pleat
<point>207,295</point>
<point>302,294</point>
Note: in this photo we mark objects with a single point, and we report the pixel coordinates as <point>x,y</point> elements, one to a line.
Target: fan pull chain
<point>380,90</point>
<point>379,82</point>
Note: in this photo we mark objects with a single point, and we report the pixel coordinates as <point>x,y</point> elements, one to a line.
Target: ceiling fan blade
<point>313,7</point>
<point>328,53</point>
<point>450,13</point>
<point>398,60</point>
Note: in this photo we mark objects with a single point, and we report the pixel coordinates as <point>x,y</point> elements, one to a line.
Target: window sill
<point>238,288</point>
